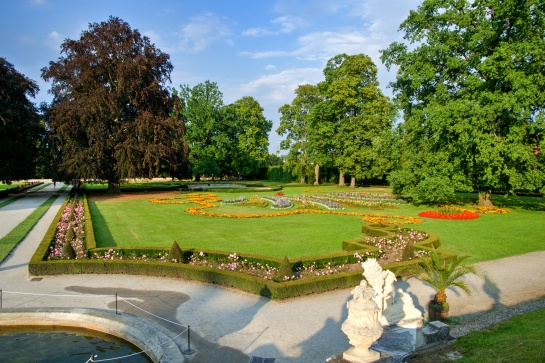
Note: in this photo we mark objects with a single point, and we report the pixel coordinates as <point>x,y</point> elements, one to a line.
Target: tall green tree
<point>250,136</point>
<point>201,106</point>
<point>351,85</point>
<point>295,123</point>
<point>472,90</point>
<point>110,112</point>
<point>20,127</point>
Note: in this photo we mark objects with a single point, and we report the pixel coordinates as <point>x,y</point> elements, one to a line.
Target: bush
<point>175,254</point>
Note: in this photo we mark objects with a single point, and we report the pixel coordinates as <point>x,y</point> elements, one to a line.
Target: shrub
<point>175,254</point>
<point>285,271</point>
<point>68,252</point>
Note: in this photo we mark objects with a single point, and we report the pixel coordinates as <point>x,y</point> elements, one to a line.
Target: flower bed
<point>364,199</point>
<point>392,249</point>
<point>460,216</point>
<point>70,229</point>
<point>205,200</point>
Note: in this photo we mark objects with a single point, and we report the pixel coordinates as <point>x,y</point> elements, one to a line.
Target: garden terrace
<point>314,240</point>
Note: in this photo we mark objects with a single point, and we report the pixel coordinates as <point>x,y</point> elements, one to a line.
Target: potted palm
<point>441,274</point>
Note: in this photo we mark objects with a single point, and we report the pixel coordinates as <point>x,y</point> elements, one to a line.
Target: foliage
<point>20,127</point>
<point>175,254</point>
<point>363,112</point>
<point>110,112</point>
<point>471,90</point>
<point>442,274</point>
<point>295,123</point>
<point>225,140</point>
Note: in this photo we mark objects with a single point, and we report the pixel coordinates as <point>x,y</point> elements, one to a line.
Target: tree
<point>295,123</point>
<point>201,106</point>
<point>250,136</point>
<point>351,85</point>
<point>110,112</point>
<point>472,93</point>
<point>20,127</point>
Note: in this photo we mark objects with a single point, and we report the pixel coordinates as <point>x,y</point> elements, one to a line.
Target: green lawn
<point>519,339</point>
<point>140,223</point>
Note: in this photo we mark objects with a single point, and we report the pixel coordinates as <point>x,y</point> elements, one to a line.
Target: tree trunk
<point>303,175</point>
<point>317,174</point>
<point>341,179</point>
<point>485,199</point>
<point>353,182</point>
<point>114,187</point>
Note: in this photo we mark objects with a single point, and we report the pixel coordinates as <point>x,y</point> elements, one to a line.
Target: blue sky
<point>258,48</point>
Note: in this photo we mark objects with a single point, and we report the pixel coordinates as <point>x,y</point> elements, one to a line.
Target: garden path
<point>229,325</point>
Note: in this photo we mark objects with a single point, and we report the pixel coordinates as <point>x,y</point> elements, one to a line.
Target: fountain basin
<point>146,335</point>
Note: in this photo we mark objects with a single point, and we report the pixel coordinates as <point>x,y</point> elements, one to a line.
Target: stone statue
<point>395,306</point>
<point>362,327</point>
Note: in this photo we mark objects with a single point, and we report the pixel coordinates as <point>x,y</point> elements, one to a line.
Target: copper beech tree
<point>112,116</point>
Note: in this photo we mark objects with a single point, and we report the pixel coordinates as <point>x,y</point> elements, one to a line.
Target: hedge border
<point>39,266</point>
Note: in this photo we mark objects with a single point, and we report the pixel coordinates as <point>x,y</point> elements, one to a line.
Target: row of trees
<point>113,118</point>
<point>336,123</point>
<point>471,88</point>
<point>225,140</point>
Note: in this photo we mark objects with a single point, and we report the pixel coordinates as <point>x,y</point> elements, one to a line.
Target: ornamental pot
<point>437,312</point>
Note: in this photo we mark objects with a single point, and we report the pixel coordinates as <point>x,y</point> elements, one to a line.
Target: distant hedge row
<point>39,265</point>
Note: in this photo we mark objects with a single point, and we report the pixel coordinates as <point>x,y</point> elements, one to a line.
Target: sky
<point>258,48</point>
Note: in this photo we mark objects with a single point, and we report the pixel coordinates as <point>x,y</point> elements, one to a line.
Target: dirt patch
<point>131,195</point>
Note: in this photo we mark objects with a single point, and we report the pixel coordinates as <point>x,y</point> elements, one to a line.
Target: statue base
<point>356,355</point>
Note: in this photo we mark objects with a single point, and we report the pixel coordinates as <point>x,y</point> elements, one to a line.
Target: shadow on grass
<point>103,233</point>
<point>532,203</point>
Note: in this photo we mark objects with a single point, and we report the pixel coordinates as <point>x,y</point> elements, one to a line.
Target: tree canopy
<point>363,112</point>
<point>112,116</point>
<point>295,123</point>
<point>20,127</point>
<point>472,90</point>
<point>225,140</point>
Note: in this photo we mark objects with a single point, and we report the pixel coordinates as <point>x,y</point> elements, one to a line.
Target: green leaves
<point>471,90</point>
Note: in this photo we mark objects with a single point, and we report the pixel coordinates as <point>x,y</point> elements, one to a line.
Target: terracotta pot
<point>436,312</point>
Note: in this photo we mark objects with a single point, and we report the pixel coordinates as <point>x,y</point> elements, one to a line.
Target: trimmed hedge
<point>252,284</point>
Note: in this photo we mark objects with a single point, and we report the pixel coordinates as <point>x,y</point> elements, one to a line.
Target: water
<point>64,345</point>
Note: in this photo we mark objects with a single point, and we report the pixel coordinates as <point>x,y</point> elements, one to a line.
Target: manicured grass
<point>16,235</point>
<point>10,186</point>
<point>519,339</point>
<point>140,223</point>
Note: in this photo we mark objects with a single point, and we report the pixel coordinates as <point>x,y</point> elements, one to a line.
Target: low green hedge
<point>256,285</point>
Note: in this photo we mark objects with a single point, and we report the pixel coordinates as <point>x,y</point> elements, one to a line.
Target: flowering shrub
<point>112,254</point>
<point>391,250</point>
<point>70,229</point>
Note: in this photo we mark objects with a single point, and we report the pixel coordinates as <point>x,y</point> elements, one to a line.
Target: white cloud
<point>322,46</point>
<point>277,89</point>
<point>280,25</point>
<point>270,67</point>
<point>203,31</point>
<point>54,40</point>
